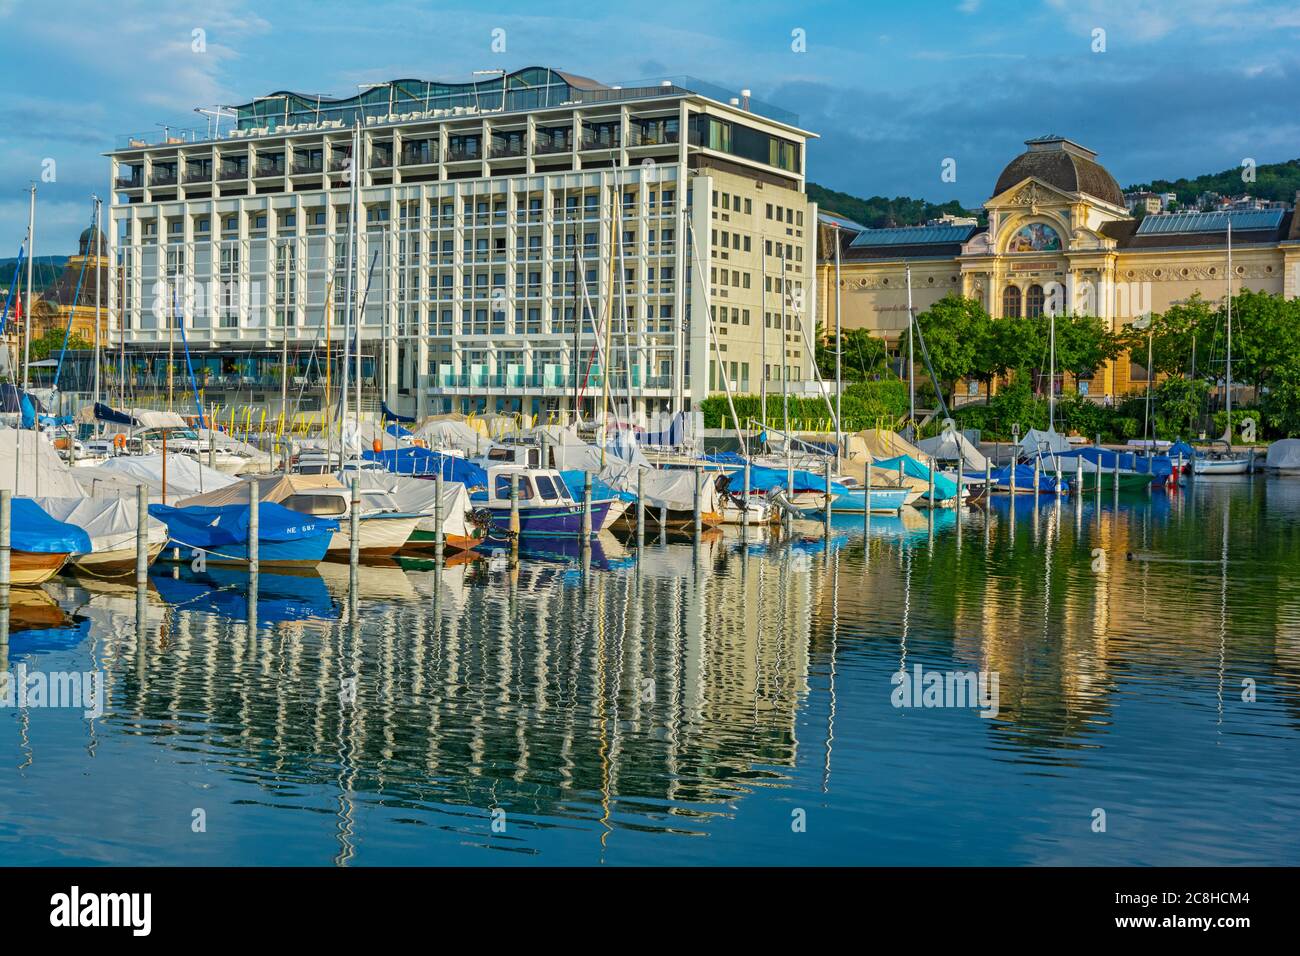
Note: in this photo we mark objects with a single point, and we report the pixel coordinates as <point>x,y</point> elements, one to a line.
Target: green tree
<point>1265,337</point>
<point>864,356</point>
<point>1083,343</point>
<point>953,327</point>
<point>51,343</point>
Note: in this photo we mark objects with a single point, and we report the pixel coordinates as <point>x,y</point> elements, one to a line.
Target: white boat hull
<point>380,534</point>
<point>1221,466</point>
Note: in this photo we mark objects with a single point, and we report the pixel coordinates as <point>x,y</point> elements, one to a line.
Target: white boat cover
<point>951,446</point>
<point>1036,442</point>
<point>419,495</point>
<point>443,434</point>
<point>1284,454</point>
<point>40,470</point>
<point>110,522</point>
<point>185,476</point>
<point>666,488</point>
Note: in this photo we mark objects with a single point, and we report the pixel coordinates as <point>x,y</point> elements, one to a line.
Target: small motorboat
<point>545,504</point>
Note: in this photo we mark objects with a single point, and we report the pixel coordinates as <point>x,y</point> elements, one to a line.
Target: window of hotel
<point>1034,302</point>
<point>1011,302</point>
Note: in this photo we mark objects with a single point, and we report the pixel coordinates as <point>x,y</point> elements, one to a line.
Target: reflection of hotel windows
<point>1034,302</point>
<point>1011,302</point>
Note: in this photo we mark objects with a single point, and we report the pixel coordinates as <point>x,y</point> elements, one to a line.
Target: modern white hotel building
<point>489,214</point>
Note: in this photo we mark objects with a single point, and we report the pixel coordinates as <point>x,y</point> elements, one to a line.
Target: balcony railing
<point>134,181</point>
<point>270,168</point>
<point>305,166</point>
<point>163,177</point>
<point>507,150</point>
<point>638,136</point>
<point>419,157</point>
<point>464,154</point>
<point>232,171</point>
<point>381,158</point>
<point>198,174</point>
<point>339,162</point>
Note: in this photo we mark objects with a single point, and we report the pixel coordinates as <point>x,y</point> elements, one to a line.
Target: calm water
<point>695,706</point>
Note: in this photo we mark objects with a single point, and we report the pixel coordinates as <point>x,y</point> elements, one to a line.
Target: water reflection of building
<point>542,690</point>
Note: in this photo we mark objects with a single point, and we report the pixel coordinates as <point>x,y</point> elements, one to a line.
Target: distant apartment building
<point>525,243</point>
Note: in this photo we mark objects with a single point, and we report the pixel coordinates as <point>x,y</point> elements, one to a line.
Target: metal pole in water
<point>698,517</point>
<point>744,511</point>
<point>961,484</point>
<point>141,536</point>
<point>1037,475</point>
<point>586,508</point>
<point>6,513</point>
<point>254,525</point>
<point>439,541</point>
<point>988,478</point>
<point>354,525</point>
<point>640,507</point>
<point>829,498</point>
<point>930,491</point>
<point>514,517</point>
<point>1012,468</point>
<point>866,501</point>
<point>1078,475</point>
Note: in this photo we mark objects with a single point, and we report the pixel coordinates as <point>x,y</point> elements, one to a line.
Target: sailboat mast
<point>348,290</point>
<point>911,362</point>
<point>1051,372</point>
<point>839,351</point>
<point>99,208</point>
<point>1228,433</point>
<point>31,258</point>
<point>785,387</point>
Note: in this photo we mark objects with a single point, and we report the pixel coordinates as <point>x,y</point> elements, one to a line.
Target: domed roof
<point>1064,164</point>
<point>84,242</point>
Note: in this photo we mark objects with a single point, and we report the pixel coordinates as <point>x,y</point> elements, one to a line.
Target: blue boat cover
<point>33,530</point>
<point>599,490</point>
<point>106,413</point>
<point>415,460</point>
<point>1181,447</point>
<point>392,416</point>
<point>944,487</point>
<point>223,525</point>
<point>765,479</point>
<point>397,431</point>
<point>1158,465</point>
<point>1024,478</point>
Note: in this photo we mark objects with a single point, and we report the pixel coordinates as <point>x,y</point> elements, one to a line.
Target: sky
<point>1167,88</point>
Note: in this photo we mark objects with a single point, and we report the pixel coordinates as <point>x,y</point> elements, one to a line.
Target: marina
<point>680,699</point>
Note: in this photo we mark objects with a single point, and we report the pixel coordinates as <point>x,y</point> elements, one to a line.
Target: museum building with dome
<point>1059,237</point>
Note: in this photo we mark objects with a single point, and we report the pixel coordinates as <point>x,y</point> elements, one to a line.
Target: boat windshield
<point>546,489</point>
<point>316,504</point>
<point>503,488</point>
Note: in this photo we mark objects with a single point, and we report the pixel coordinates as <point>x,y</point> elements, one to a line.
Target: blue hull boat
<point>284,537</point>
<point>549,520</point>
<point>854,500</point>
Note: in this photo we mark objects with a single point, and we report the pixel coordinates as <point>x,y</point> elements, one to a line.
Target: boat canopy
<point>909,467</point>
<point>225,525</point>
<point>275,488</point>
<point>185,476</point>
<point>1104,459</point>
<point>1284,453</point>
<point>418,496</point>
<point>953,446</point>
<point>33,530</point>
<point>1038,442</point>
<point>40,470</point>
<point>880,443</point>
<point>1024,478</point>
<point>111,523</point>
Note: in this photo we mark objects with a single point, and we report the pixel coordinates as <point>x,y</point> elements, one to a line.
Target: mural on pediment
<point>1035,237</point>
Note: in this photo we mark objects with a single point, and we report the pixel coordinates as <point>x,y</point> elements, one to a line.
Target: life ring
<point>119,440</point>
